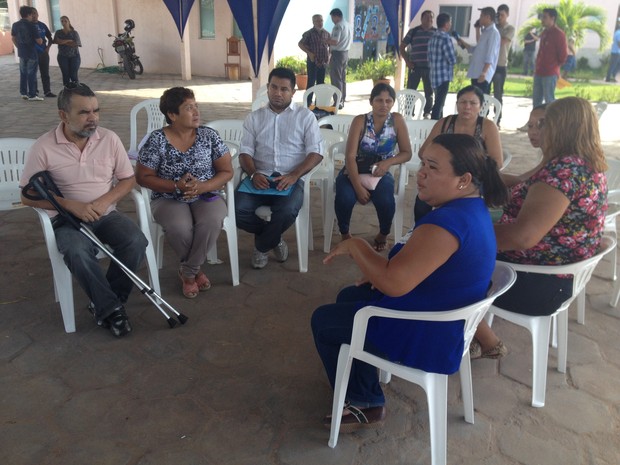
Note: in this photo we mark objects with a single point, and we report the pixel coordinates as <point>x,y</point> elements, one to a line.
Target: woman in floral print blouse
<point>555,216</point>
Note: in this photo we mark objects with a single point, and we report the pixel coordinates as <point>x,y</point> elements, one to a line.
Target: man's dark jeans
<point>413,81</point>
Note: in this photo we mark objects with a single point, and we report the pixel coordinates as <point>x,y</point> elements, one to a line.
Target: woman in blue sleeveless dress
<point>444,263</point>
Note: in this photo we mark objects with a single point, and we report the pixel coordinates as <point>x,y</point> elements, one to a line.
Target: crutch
<point>45,187</point>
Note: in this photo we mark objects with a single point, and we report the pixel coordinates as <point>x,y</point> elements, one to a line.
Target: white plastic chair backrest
<point>600,108</point>
<point>324,95</point>
<point>13,152</point>
<point>340,123</point>
<point>507,159</point>
<point>406,102</point>
<point>491,102</point>
<point>503,277</point>
<point>613,174</point>
<point>155,120</point>
<point>581,271</point>
<point>418,133</point>
<point>331,137</point>
<point>260,101</point>
<point>230,130</point>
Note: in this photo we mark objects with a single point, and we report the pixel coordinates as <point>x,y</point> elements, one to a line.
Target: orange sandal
<point>190,288</point>
<point>203,282</point>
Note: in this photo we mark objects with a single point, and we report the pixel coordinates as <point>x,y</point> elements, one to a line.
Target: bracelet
<point>252,175</point>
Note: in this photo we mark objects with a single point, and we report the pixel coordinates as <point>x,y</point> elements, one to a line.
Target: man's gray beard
<point>85,133</point>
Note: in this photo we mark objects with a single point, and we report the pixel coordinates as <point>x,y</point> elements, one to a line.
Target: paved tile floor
<point>241,383</point>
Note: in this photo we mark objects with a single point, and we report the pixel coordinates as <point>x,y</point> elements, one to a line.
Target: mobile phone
<point>455,35</point>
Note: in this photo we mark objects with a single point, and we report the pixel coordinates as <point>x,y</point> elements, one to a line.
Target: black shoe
<point>341,106</point>
<point>117,321</point>
<point>50,94</point>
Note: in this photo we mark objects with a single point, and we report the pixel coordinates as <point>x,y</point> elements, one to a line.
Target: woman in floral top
<point>556,215</point>
<point>185,164</point>
<point>374,136</point>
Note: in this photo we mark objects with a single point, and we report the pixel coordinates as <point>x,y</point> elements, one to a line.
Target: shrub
<point>295,64</point>
<point>380,68</point>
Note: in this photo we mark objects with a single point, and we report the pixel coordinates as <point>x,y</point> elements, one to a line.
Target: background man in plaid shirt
<point>442,59</point>
<point>315,43</point>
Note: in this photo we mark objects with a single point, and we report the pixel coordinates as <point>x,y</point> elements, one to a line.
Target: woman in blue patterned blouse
<point>377,140</point>
<point>185,165</point>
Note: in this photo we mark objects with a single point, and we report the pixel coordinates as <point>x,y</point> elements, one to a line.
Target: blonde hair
<point>571,128</point>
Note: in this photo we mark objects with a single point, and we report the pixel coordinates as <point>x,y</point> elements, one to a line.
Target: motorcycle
<point>123,44</point>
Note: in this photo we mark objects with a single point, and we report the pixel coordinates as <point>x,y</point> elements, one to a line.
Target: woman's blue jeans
<point>332,326</point>
<point>382,198</point>
<point>69,67</point>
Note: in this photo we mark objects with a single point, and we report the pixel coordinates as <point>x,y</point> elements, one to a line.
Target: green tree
<point>574,18</point>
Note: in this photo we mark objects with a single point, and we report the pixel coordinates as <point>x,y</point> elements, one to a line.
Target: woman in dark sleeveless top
<point>469,100</point>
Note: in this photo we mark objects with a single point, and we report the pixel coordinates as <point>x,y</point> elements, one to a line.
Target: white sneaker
<point>281,251</point>
<point>36,98</point>
<point>427,116</point>
<point>24,97</point>
<point>259,259</point>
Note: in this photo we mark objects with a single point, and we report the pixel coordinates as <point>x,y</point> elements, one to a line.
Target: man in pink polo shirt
<point>91,168</point>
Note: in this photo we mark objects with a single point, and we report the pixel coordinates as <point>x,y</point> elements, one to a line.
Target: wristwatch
<point>177,192</point>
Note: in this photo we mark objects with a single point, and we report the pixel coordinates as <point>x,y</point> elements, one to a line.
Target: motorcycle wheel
<point>137,66</point>
<point>128,65</point>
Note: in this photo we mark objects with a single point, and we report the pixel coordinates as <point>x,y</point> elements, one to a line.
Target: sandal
<point>190,288</point>
<point>357,418</point>
<point>494,353</point>
<point>203,282</point>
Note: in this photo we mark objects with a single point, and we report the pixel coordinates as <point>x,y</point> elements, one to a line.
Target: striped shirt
<point>280,141</point>
<point>441,57</point>
<point>417,38</point>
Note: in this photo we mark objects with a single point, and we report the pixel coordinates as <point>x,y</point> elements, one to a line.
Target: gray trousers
<point>191,228</point>
<point>338,71</point>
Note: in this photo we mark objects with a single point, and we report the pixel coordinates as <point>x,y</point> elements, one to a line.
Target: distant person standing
<point>506,33</point>
<point>485,54</point>
<point>571,60</point>
<point>442,58</point>
<point>340,43</point>
<point>552,53</point>
<point>529,52</point>
<point>43,52</point>
<point>614,62</point>
<point>25,36</point>
<point>315,42</point>
<point>416,58</point>
<point>69,60</point>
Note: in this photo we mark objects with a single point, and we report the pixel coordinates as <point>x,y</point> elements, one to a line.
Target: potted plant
<point>378,70</point>
<point>298,66</point>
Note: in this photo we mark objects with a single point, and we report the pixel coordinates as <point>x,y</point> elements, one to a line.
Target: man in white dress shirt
<point>280,144</point>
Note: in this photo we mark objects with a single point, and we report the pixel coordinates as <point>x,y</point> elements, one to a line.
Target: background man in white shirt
<point>340,43</point>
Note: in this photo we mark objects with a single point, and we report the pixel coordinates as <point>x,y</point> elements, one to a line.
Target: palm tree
<point>574,18</point>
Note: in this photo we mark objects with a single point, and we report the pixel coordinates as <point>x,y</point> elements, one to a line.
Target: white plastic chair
<point>507,159</point>
<point>155,120</point>
<point>63,285</point>
<point>539,326</point>
<point>340,123</point>
<point>229,226</point>
<point>13,152</point>
<point>230,130</point>
<point>302,222</point>
<point>410,103</point>
<point>435,385</point>
<point>491,102</point>
<point>418,133</point>
<point>600,108</point>
<point>324,96</point>
<point>613,200</point>
<point>324,177</point>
